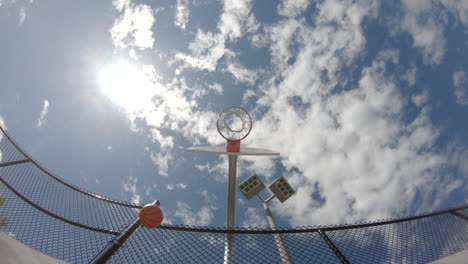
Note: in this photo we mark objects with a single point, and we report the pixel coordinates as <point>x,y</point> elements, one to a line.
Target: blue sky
<point>367,102</point>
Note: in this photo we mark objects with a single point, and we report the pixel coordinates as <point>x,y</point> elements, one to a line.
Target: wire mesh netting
<point>414,241</point>
<point>66,222</point>
<point>49,234</point>
<point>205,246</point>
<point>53,196</point>
<point>464,212</point>
<point>8,151</point>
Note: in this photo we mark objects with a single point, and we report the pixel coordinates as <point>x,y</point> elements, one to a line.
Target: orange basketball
<point>151,216</point>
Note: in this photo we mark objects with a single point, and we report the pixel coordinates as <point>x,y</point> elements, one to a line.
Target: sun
<point>125,84</point>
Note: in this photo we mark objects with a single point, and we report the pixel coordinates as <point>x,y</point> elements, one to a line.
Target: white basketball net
<point>234,123</point>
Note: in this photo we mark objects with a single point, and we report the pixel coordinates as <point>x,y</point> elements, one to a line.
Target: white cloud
<point>460,82</point>
<point>425,22</point>
<point>22,16</point>
<point>248,94</point>
<point>459,158</point>
<point>459,8</point>
<point>352,147</point>
<point>121,4</point>
<point>281,36</point>
<point>235,15</point>
<point>166,141</point>
<point>22,6</point>
<point>420,99</point>
<point>427,32</point>
<point>350,153</point>
<point>150,188</point>
<point>246,165</point>
<point>332,44</point>
<point>43,117</point>
<point>130,185</point>
<point>161,160</point>
<point>161,107</point>
<point>368,164</point>
<point>218,88</point>
<point>410,75</point>
<point>2,124</point>
<point>203,41</point>
<point>263,167</point>
<point>242,74</point>
<point>254,217</point>
<point>208,48</point>
<point>180,186</point>
<point>182,14</point>
<point>216,171</point>
<point>292,8</point>
<point>133,27</point>
<point>207,197</point>
<point>259,39</point>
<point>192,218</point>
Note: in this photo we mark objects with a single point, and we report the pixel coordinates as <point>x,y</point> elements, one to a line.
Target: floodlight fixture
<point>281,189</point>
<point>251,187</point>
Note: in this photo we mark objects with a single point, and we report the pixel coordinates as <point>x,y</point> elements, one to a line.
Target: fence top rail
<point>309,229</point>
<point>236,230</point>
<point>62,181</point>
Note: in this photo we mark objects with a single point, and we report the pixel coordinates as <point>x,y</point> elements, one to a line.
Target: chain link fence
<point>66,222</point>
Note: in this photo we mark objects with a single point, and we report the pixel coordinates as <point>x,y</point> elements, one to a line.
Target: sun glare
<point>125,84</point>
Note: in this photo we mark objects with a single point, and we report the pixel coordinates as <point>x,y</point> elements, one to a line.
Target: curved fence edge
<point>308,229</point>
<point>62,181</point>
<point>101,230</point>
<point>237,230</point>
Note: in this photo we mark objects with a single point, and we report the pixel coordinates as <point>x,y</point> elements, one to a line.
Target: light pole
<point>233,124</point>
<point>280,189</point>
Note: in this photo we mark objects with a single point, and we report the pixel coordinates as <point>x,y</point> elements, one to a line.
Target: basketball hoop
<point>234,124</point>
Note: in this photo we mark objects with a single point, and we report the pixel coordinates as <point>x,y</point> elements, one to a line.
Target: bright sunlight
<point>126,85</point>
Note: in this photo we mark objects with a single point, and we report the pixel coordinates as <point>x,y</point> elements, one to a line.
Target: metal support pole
<point>269,198</point>
<point>283,251</point>
<point>231,191</point>
<point>5,164</point>
<point>333,247</point>
<point>231,202</point>
<point>117,243</point>
<point>459,215</point>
